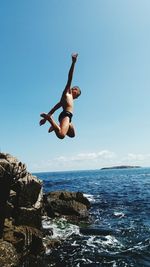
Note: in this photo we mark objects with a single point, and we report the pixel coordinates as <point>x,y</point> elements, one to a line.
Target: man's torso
<point>67,102</point>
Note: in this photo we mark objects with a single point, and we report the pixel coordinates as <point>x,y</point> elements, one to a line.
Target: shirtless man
<point>66,102</point>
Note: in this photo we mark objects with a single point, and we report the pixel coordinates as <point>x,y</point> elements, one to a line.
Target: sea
<point>119,232</point>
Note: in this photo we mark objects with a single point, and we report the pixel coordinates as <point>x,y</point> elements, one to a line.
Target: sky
<point>111,116</point>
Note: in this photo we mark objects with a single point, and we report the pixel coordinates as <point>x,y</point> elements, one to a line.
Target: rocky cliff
<point>22,205</point>
<point>21,202</point>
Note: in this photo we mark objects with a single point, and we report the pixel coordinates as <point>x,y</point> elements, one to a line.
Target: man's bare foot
<point>51,129</point>
<point>46,116</point>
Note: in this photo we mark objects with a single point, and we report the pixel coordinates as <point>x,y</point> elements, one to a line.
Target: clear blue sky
<point>111,116</point>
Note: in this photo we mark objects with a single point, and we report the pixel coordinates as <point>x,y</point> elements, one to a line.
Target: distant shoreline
<point>120,167</point>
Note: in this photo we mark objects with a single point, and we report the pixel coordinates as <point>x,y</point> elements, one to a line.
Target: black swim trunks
<point>64,114</point>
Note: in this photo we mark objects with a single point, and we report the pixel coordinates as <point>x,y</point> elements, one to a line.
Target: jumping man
<point>66,102</point>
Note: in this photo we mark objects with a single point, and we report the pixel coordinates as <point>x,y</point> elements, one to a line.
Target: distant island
<point>120,167</point>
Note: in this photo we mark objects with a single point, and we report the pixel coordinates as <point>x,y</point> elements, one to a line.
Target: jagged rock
<point>8,255</point>
<point>18,169</point>
<point>28,216</point>
<point>28,189</point>
<point>24,192</point>
<point>66,203</point>
<point>52,243</point>
<point>21,202</point>
<point>5,168</point>
<point>6,181</point>
<point>24,238</point>
<point>77,196</point>
<point>21,207</point>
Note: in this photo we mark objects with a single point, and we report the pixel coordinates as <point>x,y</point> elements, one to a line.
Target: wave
<point>59,228</point>
<point>90,197</point>
<point>119,214</point>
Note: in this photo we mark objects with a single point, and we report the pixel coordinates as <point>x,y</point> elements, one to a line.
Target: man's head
<point>76,92</point>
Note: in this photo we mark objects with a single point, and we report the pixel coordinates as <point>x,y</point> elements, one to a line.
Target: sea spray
<point>58,229</point>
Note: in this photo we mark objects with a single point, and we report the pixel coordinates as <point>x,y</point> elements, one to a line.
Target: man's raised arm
<point>70,74</point>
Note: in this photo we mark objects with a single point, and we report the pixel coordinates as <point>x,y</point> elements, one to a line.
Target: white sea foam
<point>90,197</point>
<point>119,214</point>
<point>107,241</point>
<point>91,242</point>
<point>60,228</point>
<point>100,243</point>
<point>110,240</point>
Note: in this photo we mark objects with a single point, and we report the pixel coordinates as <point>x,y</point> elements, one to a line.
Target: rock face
<point>21,210</point>
<point>23,192</point>
<point>8,255</point>
<point>66,203</point>
<point>21,202</point>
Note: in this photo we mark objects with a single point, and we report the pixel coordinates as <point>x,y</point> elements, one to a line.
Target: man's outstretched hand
<point>42,121</point>
<point>74,57</point>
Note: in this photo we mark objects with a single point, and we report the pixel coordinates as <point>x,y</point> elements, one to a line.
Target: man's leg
<point>61,130</point>
<point>64,126</point>
<point>70,133</point>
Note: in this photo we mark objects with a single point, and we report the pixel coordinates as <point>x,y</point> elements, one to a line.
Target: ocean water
<point>119,234</point>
